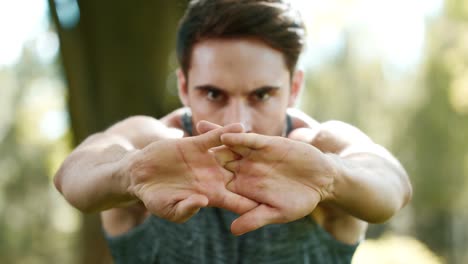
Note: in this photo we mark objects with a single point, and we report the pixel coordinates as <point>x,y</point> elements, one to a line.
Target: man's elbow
<point>408,192</point>
<point>76,200</point>
<point>381,216</point>
<point>69,193</point>
<point>398,197</point>
<point>58,180</point>
<point>391,208</point>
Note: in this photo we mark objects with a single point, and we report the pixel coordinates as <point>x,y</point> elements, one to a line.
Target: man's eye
<point>262,96</point>
<point>214,95</point>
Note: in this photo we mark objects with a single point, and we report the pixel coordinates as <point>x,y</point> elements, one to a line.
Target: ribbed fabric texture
<point>206,238</point>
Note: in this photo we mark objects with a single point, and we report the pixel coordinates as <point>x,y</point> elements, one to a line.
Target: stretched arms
<point>141,159</point>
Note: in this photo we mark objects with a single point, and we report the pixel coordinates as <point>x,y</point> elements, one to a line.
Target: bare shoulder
<point>332,127</point>
<point>301,119</point>
<point>143,130</point>
<point>331,136</point>
<point>344,131</point>
<point>336,137</point>
<point>174,118</point>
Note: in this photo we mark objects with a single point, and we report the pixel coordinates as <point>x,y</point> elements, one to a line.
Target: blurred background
<point>396,69</point>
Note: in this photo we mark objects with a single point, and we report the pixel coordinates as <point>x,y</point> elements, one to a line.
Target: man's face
<point>239,81</point>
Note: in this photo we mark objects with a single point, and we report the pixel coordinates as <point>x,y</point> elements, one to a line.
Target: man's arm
<point>339,164</point>
<point>369,182</point>
<point>95,176</point>
<point>139,159</point>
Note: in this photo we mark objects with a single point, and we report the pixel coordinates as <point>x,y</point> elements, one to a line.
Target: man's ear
<point>182,87</point>
<point>296,86</point>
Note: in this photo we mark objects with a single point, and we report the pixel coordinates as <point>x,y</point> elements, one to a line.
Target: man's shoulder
<point>142,130</point>
<point>143,123</point>
<point>174,118</point>
<point>301,120</point>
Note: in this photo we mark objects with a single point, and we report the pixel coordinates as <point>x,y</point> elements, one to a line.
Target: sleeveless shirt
<point>206,238</point>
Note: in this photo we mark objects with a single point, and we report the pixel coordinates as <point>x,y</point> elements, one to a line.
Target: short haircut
<point>273,22</point>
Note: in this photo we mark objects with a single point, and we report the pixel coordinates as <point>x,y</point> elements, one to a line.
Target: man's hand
<point>175,178</point>
<point>289,178</point>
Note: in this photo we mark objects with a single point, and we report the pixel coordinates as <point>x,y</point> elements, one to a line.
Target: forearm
<point>370,186</point>
<point>93,177</point>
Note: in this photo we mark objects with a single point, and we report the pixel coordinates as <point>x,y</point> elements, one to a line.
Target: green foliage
<point>422,117</point>
<point>37,226</point>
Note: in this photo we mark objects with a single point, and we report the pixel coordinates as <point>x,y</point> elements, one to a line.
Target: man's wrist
<point>331,192</point>
<point>125,175</point>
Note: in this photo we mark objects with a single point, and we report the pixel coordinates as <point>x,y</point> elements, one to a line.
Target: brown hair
<point>272,21</point>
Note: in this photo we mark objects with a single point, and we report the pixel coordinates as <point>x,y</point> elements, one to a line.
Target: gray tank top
<point>206,238</point>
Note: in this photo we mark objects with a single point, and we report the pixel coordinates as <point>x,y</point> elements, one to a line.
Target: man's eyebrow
<point>209,87</point>
<point>266,88</point>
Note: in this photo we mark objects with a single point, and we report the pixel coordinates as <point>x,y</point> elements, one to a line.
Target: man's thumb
<point>212,138</point>
<point>205,126</point>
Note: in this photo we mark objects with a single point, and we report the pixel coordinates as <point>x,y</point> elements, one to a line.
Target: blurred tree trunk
<point>116,62</point>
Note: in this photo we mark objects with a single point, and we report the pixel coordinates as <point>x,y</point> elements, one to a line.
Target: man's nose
<point>238,111</point>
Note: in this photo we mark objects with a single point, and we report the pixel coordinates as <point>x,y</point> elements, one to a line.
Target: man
<point>236,158</point>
